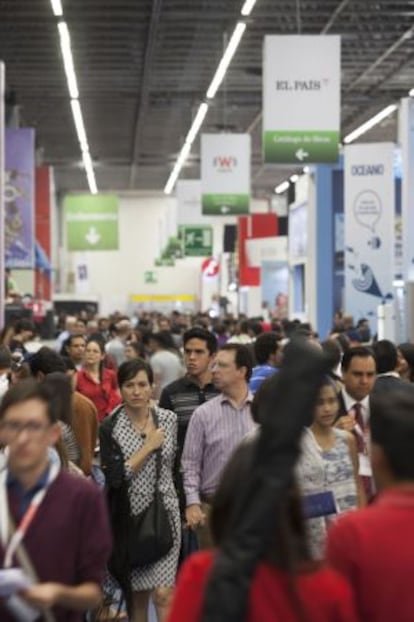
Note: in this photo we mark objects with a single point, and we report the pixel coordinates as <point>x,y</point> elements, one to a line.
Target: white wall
<point>114,276</point>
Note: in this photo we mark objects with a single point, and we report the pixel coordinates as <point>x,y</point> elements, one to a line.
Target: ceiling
<point>143,67</point>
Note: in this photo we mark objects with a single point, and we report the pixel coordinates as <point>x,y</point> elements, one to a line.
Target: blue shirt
<point>260,373</point>
<point>25,497</point>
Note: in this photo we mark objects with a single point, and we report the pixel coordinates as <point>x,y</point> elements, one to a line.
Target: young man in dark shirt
<point>183,396</point>
<point>62,518</point>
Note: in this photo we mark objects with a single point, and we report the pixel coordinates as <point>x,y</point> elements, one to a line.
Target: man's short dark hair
<point>351,353</point>
<point>265,345</point>
<point>242,357</point>
<point>204,335</point>
<point>392,428</point>
<point>68,342</point>
<point>386,356</point>
<point>46,361</point>
<point>26,390</point>
<point>333,350</point>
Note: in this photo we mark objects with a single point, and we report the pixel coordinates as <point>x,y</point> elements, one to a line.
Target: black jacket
<point>116,489</point>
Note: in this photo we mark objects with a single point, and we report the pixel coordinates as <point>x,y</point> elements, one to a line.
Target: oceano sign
<point>364,170</point>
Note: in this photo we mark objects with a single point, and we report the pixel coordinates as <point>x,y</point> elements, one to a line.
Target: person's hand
<point>43,595</point>
<point>347,422</point>
<point>155,439</point>
<point>194,516</point>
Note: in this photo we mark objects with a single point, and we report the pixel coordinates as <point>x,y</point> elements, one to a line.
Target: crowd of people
<point>123,448</point>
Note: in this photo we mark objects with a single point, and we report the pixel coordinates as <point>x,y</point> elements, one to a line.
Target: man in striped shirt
<point>215,430</point>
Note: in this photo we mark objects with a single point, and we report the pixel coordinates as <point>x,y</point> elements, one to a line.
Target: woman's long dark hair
<point>260,513</point>
<point>288,548</point>
<point>61,390</point>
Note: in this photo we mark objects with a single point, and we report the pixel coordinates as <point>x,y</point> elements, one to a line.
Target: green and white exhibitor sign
<point>197,240</point>
<point>301,98</point>
<point>225,174</point>
<point>91,222</point>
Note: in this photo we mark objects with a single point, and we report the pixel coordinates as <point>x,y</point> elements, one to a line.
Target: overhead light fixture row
<point>226,59</point>
<point>368,125</point>
<point>248,7</point>
<point>66,48</point>
<point>57,8</point>
<point>218,78</point>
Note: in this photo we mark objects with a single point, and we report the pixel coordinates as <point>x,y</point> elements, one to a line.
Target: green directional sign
<point>197,240</point>
<point>301,146</point>
<point>150,277</point>
<point>91,222</point>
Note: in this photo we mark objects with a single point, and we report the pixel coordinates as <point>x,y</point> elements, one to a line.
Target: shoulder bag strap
<point>158,452</point>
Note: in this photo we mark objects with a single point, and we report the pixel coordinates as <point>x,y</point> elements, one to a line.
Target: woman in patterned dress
<point>139,430</point>
<point>328,463</point>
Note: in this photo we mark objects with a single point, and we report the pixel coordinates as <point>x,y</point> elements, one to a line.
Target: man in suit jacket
<point>359,374</point>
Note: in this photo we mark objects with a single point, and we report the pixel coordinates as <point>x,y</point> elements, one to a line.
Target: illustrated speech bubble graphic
<point>368,209</point>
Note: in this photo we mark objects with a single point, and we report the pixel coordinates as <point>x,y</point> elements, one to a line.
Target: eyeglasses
<point>14,428</point>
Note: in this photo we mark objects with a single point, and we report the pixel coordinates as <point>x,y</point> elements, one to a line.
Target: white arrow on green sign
<point>91,222</point>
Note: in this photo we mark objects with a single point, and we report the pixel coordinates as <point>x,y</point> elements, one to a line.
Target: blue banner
<point>19,198</point>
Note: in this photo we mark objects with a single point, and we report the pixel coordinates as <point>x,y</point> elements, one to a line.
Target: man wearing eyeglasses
<point>53,526</point>
<point>215,430</point>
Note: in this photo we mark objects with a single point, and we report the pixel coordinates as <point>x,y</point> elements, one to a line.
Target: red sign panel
<point>253,227</point>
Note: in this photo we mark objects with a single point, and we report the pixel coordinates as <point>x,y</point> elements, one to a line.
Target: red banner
<point>43,272</point>
<point>252,227</point>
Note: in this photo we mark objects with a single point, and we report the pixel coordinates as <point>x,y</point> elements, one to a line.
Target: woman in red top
<point>286,585</point>
<point>97,382</point>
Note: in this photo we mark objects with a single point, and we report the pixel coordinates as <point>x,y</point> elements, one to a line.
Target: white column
<point>406,139</point>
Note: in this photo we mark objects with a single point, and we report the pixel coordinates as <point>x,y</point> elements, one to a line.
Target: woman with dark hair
<point>97,382</point>
<point>138,448</point>
<point>286,586</point>
<point>406,361</point>
<point>328,465</point>
<point>134,350</point>
<point>61,390</point>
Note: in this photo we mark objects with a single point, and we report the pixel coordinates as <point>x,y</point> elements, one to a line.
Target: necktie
<point>360,440</point>
<point>362,447</point>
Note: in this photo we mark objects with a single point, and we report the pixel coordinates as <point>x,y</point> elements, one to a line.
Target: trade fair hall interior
<point>206,310</point>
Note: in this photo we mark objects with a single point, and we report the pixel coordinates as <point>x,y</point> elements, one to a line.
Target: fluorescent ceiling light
<point>212,90</point>
<point>294,178</point>
<point>411,93</point>
<point>198,120</point>
<point>87,162</point>
<point>57,8</point>
<point>282,187</point>
<point>68,60</point>
<point>184,153</point>
<point>80,127</point>
<point>248,7</point>
<point>74,95</point>
<point>365,127</point>
<point>226,60</point>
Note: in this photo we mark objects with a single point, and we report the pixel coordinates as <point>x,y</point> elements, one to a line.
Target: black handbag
<point>150,536</point>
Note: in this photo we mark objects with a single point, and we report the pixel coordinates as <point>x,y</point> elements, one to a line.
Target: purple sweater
<point>69,539</point>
